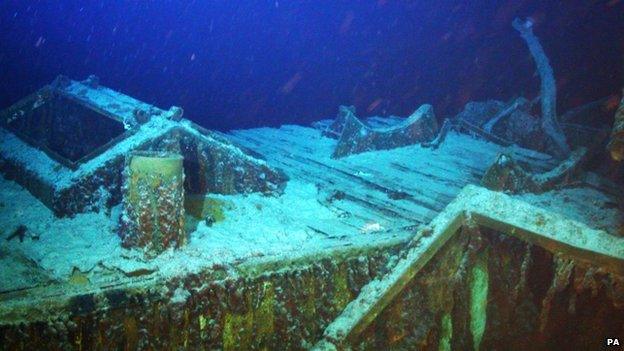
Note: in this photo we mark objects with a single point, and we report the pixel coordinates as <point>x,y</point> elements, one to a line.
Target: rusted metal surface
<point>273,305</point>
<point>477,207</point>
<point>357,137</point>
<point>486,290</point>
<point>154,202</point>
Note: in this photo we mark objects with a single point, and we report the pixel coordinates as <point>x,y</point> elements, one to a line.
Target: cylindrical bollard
<point>153,192</point>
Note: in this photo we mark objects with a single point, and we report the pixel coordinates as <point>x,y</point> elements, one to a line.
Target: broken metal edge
<point>481,207</point>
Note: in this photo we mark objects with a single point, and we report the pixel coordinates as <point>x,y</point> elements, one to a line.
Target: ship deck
<point>371,201</point>
<point>396,188</point>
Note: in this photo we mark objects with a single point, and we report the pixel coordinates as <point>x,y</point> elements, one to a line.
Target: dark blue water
<point>236,64</point>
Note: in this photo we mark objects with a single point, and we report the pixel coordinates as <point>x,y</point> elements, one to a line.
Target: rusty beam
<point>474,206</point>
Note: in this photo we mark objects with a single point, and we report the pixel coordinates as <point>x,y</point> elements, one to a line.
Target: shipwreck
<point>142,230</point>
<point>127,226</point>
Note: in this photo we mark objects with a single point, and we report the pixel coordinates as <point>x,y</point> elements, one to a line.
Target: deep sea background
<point>239,64</point>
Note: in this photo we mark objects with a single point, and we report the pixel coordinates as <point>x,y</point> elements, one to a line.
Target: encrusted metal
<point>154,201</point>
<point>67,145</point>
